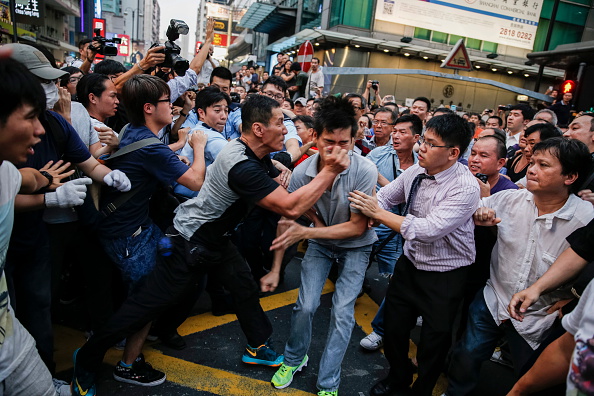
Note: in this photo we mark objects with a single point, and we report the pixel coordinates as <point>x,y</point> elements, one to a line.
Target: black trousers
<point>172,279</point>
<point>435,296</point>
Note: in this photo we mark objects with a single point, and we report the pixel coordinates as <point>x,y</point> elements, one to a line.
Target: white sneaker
<point>62,387</point>
<point>372,342</point>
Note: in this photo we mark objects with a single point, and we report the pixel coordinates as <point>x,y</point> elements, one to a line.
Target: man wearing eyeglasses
<point>383,125</point>
<point>127,234</point>
<point>429,278</point>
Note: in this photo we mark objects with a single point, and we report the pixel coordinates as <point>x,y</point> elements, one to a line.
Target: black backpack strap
<point>119,201</point>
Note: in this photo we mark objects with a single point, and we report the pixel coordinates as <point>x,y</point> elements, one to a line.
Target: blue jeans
<point>352,264</point>
<point>387,257</point>
<point>477,345</point>
<point>377,324</point>
<point>135,256</point>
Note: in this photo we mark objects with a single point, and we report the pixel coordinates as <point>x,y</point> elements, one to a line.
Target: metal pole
<point>14,24</point>
<point>137,16</point>
<point>547,43</point>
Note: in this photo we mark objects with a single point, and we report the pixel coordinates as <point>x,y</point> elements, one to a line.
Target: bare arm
<point>568,265</point>
<point>369,206</point>
<point>32,181</point>
<point>200,58</point>
<point>292,146</point>
<point>194,177</point>
<point>94,169</point>
<point>356,226</point>
<point>550,368</point>
<point>292,205</point>
<point>381,180</point>
<point>151,59</point>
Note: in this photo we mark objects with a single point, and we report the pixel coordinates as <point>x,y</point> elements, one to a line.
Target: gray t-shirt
<point>334,206</point>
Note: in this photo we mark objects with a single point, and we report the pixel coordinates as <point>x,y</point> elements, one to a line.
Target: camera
<point>100,44</point>
<point>374,84</point>
<point>505,108</point>
<point>172,51</point>
<point>235,98</point>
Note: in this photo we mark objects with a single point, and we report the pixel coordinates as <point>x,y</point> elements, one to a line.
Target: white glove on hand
<point>118,179</point>
<point>68,195</point>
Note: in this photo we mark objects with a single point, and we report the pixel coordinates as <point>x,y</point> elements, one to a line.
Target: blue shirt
<point>215,143</point>
<point>146,168</point>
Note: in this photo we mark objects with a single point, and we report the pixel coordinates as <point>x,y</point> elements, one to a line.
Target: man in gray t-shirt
<point>340,235</point>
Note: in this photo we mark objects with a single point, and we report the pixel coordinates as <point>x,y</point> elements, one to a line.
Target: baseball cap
<point>301,101</point>
<point>35,61</point>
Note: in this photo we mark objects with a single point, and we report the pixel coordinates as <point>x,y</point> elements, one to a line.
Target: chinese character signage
<point>99,23</point>
<point>29,12</point>
<point>125,47</point>
<point>508,22</point>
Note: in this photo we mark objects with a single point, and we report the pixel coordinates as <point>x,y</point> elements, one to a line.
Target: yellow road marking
<point>205,321</point>
<point>212,380</point>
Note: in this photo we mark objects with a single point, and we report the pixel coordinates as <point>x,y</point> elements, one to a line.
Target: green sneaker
<point>284,375</point>
<point>326,393</point>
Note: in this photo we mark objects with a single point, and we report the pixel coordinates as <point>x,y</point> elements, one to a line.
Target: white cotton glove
<point>69,194</point>
<point>118,179</point>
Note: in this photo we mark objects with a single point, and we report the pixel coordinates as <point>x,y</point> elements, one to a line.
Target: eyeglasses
<point>382,122</point>
<point>273,96</point>
<point>168,100</point>
<point>74,79</point>
<point>431,145</point>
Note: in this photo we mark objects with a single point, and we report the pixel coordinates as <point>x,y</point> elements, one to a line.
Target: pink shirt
<point>438,230</point>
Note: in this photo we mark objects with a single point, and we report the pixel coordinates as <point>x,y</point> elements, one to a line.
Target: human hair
<point>442,110</point>
<point>290,102</point>
<point>335,113</point>
<point>139,90</point>
<point>308,121</point>
<point>551,113</point>
<point>82,42</point>
<point>499,120</point>
<point>546,130</point>
<point>109,66</point>
<point>209,96</point>
<point>393,115</point>
<point>369,122</point>
<point>277,81</point>
<point>591,115</point>
<point>424,100</point>
<point>222,73</point>
<point>474,114</point>
<point>257,108</point>
<point>65,78</point>
<point>527,111</point>
<point>295,66</point>
<point>416,126</point>
<point>93,83</point>
<point>318,59</point>
<point>356,95</point>
<point>19,87</point>
<point>499,133</point>
<point>452,129</point>
<point>501,149</point>
<point>573,155</point>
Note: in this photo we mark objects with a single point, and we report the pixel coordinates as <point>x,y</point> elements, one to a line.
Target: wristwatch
<point>49,177</point>
<point>181,113</point>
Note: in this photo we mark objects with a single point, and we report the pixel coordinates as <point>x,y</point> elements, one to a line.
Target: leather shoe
<point>173,340</point>
<point>386,388</point>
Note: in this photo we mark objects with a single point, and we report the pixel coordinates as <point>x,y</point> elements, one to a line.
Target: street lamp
<point>134,10</point>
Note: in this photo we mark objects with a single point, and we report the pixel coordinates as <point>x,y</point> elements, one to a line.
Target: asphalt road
<point>211,364</point>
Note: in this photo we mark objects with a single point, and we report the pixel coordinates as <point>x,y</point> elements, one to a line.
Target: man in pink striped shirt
<point>441,196</point>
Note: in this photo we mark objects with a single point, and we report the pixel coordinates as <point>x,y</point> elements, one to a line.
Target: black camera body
<point>505,108</point>
<point>374,84</point>
<point>100,44</point>
<point>235,98</point>
<point>172,51</point>
<point>482,177</point>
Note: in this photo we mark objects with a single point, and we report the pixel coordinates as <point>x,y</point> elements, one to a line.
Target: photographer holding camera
<point>372,85</point>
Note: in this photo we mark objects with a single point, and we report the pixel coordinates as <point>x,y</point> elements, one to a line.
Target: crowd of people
<point>149,187</point>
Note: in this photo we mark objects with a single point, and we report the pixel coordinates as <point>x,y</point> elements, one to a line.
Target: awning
<point>566,55</point>
<point>383,41</point>
<point>241,46</point>
<point>268,18</point>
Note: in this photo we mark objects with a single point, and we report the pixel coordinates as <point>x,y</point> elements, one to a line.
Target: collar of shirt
<point>443,176</point>
<point>565,213</point>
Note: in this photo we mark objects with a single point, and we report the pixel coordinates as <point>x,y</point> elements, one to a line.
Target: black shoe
<point>140,373</point>
<point>173,340</point>
<point>387,388</point>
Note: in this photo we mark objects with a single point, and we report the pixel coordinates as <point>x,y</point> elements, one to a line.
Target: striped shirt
<point>438,230</point>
